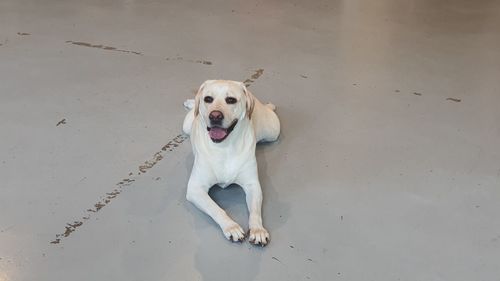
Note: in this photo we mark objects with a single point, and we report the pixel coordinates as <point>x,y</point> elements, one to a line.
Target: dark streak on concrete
<point>257,73</point>
<point>108,48</point>
<point>417,94</point>
<point>150,163</point>
<point>454,99</point>
<point>71,227</point>
<point>157,157</point>
<point>275,258</point>
<point>109,196</point>
<point>206,62</point>
<point>254,77</point>
<point>23,33</point>
<point>63,121</point>
<point>303,76</point>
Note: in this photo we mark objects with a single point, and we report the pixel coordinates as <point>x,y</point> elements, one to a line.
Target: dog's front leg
<point>198,195</point>
<point>253,191</point>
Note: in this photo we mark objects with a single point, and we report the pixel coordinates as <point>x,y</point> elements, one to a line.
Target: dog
<point>225,122</point>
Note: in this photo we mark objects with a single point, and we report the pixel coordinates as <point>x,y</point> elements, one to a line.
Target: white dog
<point>225,123</point>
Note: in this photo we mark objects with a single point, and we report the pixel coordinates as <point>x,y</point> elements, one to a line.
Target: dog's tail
<point>189,104</point>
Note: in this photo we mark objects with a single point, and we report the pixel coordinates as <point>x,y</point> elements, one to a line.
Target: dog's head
<point>221,105</point>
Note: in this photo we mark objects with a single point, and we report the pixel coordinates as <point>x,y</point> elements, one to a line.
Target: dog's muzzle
<point>218,134</point>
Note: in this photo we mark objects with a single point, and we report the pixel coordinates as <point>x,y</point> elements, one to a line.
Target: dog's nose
<point>215,116</point>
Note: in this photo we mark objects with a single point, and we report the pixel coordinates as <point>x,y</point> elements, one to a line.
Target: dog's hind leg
<point>189,104</point>
<point>188,120</point>
<point>266,123</point>
<point>271,106</point>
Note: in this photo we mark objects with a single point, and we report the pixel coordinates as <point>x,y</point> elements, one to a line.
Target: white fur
<point>233,160</point>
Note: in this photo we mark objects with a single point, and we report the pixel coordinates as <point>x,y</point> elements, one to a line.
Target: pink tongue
<point>217,133</point>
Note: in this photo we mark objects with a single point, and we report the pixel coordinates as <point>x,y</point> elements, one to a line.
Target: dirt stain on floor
<point>103,47</point>
<point>109,196</point>
<point>254,77</point>
<point>454,99</point>
<point>23,34</point>
<point>178,58</point>
<point>63,121</point>
<point>276,259</point>
<point>158,156</point>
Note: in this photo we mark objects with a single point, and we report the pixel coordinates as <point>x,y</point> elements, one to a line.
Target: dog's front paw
<point>259,236</point>
<point>234,233</point>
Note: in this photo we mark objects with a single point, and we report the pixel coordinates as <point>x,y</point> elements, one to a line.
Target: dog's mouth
<point>218,134</point>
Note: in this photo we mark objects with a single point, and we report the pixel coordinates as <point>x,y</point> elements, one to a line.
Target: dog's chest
<point>226,172</point>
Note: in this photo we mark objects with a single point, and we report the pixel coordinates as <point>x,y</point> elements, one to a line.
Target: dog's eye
<point>231,100</point>
<point>208,99</point>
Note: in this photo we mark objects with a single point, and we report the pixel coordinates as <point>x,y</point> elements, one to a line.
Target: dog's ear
<point>197,99</point>
<point>250,101</point>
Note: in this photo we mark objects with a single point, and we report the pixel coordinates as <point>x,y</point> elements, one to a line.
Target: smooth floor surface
<point>388,166</point>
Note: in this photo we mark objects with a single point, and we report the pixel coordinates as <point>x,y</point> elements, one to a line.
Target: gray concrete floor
<point>388,167</point>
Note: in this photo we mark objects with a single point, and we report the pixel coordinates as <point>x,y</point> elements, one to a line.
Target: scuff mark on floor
<point>454,99</point>
<point>23,34</point>
<point>103,47</point>
<point>417,94</point>
<point>178,58</point>
<point>150,163</point>
<point>63,121</point>
<point>109,196</point>
<point>157,157</point>
<point>257,73</point>
<point>254,77</point>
